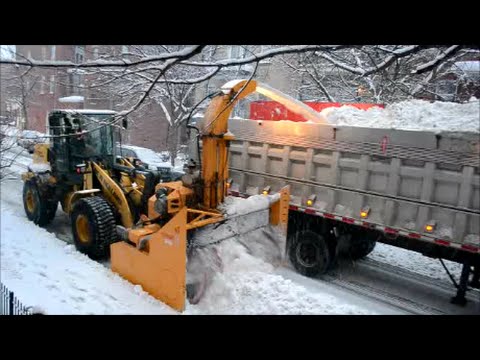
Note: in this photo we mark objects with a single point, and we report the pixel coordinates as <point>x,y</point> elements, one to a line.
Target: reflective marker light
<point>311,200</point>
<point>430,226</point>
<point>266,190</point>
<point>365,212</point>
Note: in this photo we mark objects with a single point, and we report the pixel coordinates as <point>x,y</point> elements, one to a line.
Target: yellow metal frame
<point>202,218</point>
<point>114,194</point>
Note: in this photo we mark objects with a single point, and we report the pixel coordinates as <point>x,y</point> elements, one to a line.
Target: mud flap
<point>160,268</point>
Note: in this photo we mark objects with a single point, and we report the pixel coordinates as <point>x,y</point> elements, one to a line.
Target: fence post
<point>10,302</point>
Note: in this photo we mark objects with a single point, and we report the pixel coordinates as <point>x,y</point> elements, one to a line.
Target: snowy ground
<point>52,276</point>
<point>416,262</point>
<point>411,115</point>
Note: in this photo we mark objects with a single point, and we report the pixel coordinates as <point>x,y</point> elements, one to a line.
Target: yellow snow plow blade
<point>158,261</point>
<point>156,257</point>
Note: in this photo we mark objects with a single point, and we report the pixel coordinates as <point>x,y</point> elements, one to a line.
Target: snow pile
<point>242,216</point>
<point>248,285</point>
<point>415,262</point>
<point>411,115</point>
<point>239,206</point>
<point>239,273</point>
<point>46,273</point>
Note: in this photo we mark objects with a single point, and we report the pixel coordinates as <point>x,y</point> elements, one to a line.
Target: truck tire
<point>309,254</point>
<point>362,243</point>
<point>93,227</point>
<point>38,206</point>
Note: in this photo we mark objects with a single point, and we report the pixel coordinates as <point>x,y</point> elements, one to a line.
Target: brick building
<point>48,89</point>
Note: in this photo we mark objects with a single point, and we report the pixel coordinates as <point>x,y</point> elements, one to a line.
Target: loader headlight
<point>80,168</point>
<point>266,190</point>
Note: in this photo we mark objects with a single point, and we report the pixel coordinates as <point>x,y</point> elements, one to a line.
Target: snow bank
<point>411,115</point>
<point>46,273</point>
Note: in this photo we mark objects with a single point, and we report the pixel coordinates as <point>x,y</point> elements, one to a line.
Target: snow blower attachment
<point>187,218</point>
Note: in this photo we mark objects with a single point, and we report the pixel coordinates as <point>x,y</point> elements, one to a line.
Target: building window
<point>446,89</point>
<point>95,53</point>
<point>52,84</point>
<point>29,54</point>
<point>78,58</point>
<point>44,53</point>
<point>75,82</point>
<point>79,54</point>
<point>42,85</point>
<point>53,50</point>
<point>124,49</point>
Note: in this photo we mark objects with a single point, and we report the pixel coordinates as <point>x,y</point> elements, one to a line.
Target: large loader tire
<point>39,207</point>
<point>362,243</point>
<point>309,253</point>
<point>93,227</point>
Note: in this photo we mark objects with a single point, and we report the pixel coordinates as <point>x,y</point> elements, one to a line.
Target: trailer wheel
<point>362,243</point>
<point>93,227</point>
<point>38,207</point>
<point>309,254</point>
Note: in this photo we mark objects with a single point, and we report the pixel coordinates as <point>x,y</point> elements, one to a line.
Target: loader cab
<point>78,136</point>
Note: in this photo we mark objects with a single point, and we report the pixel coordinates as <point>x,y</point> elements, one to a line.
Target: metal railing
<point>10,305</point>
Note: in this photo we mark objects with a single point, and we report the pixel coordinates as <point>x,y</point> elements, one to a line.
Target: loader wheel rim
<point>83,230</point>
<point>307,254</point>
<point>30,200</point>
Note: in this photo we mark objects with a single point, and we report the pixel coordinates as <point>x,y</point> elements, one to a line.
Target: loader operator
<point>80,147</point>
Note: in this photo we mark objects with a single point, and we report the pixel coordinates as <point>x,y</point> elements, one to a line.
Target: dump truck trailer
<point>352,186</point>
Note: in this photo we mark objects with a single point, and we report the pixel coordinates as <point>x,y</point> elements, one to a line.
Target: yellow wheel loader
<point>80,170</point>
<point>144,223</point>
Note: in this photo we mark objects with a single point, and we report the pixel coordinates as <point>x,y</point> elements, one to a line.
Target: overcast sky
<point>7,51</point>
